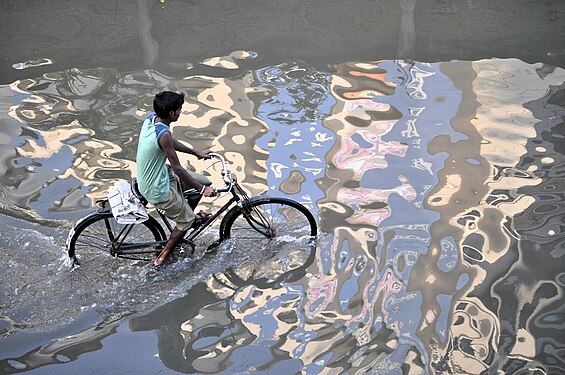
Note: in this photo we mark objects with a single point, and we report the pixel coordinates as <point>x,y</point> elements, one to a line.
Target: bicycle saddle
<point>136,192</point>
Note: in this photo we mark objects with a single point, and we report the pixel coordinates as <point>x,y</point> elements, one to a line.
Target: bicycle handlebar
<point>226,173</point>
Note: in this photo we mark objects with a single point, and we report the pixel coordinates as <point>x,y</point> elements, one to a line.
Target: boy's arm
<point>167,143</point>
<point>180,147</point>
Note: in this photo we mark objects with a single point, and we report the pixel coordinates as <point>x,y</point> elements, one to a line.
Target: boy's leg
<point>176,237</point>
<point>194,200</point>
<point>176,209</point>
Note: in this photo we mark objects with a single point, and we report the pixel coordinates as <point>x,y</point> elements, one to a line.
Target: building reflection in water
<point>415,211</point>
<point>436,187</point>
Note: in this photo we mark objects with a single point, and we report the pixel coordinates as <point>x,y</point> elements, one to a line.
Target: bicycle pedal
<point>184,244</point>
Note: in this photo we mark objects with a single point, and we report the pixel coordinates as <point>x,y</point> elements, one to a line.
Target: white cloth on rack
<point>126,207</point>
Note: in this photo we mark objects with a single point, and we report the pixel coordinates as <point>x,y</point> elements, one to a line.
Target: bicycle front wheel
<point>268,221</point>
<point>100,234</point>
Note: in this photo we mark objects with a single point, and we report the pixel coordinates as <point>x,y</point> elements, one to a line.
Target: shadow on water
<point>438,189</point>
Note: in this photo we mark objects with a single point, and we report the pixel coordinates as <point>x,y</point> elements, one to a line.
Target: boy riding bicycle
<point>162,184</point>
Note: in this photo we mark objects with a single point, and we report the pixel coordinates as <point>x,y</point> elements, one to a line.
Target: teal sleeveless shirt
<point>152,174</point>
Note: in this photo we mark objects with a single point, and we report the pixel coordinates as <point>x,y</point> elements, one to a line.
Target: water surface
<point>437,187</point>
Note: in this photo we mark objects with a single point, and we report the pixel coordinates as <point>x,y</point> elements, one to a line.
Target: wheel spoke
<point>95,236</point>
<point>91,241</point>
<point>271,223</point>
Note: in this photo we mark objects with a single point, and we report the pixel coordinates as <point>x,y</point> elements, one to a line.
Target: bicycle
<point>258,220</point>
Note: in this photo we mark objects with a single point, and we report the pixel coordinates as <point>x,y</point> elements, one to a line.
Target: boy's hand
<point>209,191</point>
<point>203,154</point>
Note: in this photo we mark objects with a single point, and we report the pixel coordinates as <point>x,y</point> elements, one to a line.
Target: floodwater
<point>435,173</point>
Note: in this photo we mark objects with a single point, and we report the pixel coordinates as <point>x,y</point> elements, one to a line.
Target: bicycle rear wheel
<point>99,233</point>
<point>269,222</point>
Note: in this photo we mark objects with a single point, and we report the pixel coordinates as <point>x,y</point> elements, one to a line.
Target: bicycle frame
<point>239,197</point>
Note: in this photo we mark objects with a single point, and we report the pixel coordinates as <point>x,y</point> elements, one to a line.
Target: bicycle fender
<point>78,224</point>
<point>262,198</point>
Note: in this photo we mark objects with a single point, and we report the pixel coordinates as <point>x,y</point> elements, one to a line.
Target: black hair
<point>166,102</point>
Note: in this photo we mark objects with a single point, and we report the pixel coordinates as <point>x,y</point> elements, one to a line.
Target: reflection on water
<point>438,189</point>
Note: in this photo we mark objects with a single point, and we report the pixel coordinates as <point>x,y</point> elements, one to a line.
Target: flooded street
<point>432,164</point>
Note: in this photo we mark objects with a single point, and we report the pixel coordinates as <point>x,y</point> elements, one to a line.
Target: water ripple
<point>437,186</point>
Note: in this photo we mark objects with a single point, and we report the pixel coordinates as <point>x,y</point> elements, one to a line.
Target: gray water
<point>426,137</point>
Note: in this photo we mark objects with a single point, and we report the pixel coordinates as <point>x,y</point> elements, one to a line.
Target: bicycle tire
<point>288,220</point>
<point>90,237</point>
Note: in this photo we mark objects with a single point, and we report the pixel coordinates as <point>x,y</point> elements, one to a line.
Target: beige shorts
<point>175,207</point>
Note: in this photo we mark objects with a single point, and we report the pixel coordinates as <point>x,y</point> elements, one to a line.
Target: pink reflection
<point>324,288</point>
<point>360,160</point>
<point>387,286</point>
<point>364,196</point>
<point>377,286</point>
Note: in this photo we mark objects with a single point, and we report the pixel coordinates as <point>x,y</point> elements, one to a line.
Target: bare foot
<point>176,236</point>
<point>161,258</point>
